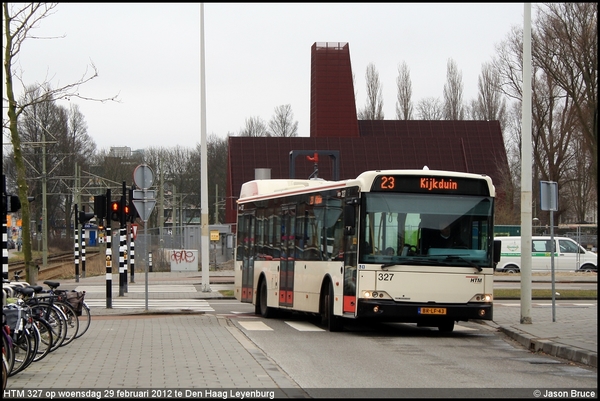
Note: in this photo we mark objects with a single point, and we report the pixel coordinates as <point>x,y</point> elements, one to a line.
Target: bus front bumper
<point>419,312</point>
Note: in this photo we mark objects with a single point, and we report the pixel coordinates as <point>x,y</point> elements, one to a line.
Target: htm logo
<point>14,394</point>
<point>475,279</point>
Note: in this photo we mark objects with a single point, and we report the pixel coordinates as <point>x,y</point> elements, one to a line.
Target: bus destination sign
<point>430,184</point>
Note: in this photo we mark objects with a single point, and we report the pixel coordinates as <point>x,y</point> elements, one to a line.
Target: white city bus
<point>358,248</point>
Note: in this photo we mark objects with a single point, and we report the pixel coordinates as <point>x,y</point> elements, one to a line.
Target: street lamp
<point>536,222</point>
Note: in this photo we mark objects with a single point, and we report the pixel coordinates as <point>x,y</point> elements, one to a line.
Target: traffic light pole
<point>122,245</point>
<point>76,244</point>
<point>133,213</point>
<point>5,201</point>
<point>108,251</point>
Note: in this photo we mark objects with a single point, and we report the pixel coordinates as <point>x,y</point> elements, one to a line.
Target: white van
<point>571,255</point>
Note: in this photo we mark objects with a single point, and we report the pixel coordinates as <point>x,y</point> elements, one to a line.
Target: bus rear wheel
<point>262,307</point>
<point>332,322</point>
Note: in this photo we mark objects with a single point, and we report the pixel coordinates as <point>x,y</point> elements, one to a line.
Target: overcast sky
<point>257,57</point>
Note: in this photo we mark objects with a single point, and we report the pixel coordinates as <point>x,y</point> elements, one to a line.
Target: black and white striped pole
<point>108,250</point>
<point>122,245</point>
<point>81,217</point>
<point>76,245</point>
<point>132,254</point>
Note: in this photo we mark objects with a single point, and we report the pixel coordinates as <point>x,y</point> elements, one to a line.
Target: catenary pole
<point>203,166</point>
<point>526,172</point>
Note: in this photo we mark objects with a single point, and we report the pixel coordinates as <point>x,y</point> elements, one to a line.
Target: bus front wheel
<point>446,327</point>
<point>332,322</point>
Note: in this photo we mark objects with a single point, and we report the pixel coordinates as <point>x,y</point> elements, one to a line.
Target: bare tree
<point>374,108</point>
<point>19,21</point>
<point>217,176</point>
<point>255,126</point>
<point>565,46</point>
<point>404,105</point>
<point>507,210</point>
<point>453,93</point>
<point>282,124</point>
<point>430,108</point>
<point>556,113</point>
<point>490,104</point>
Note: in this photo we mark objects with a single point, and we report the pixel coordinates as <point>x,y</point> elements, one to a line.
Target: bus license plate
<point>432,311</point>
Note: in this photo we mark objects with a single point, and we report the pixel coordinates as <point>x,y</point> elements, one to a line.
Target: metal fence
<point>178,249</point>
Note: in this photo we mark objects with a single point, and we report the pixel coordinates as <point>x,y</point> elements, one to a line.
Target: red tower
<point>332,103</point>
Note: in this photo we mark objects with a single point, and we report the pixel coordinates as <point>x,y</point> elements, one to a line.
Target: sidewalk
<point>572,336</point>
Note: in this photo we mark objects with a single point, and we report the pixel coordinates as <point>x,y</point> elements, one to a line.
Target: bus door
<point>287,260</point>
<point>350,258</point>
<point>246,231</point>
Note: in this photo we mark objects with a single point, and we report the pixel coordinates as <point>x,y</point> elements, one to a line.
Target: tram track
<point>56,266</point>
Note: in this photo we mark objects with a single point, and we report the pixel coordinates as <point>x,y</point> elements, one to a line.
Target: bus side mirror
<point>497,246</point>
<point>349,220</point>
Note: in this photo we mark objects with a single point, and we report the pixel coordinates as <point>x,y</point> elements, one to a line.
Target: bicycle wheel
<point>4,369</point>
<point>7,351</point>
<point>24,345</point>
<point>56,318</point>
<point>71,320</point>
<point>85,319</point>
<point>45,345</point>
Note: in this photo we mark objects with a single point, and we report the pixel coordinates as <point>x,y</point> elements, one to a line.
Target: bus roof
<point>274,188</point>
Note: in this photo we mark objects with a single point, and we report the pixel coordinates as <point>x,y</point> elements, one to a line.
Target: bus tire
<point>261,300</point>
<point>511,269</point>
<point>332,322</point>
<point>446,326</point>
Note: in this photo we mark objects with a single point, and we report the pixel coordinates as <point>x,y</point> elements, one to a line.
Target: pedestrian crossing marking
<point>304,326</point>
<point>255,326</point>
<point>307,326</point>
<point>141,288</point>
<point>458,327</point>
<point>162,304</point>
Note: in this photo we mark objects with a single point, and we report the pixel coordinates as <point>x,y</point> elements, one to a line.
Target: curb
<point>535,344</point>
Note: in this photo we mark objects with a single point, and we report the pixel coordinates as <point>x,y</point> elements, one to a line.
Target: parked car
<point>570,256</point>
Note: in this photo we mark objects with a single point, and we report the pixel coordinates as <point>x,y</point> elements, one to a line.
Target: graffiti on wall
<point>182,256</point>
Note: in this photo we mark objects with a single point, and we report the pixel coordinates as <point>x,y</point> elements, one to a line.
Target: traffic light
<point>133,214</point>
<point>126,212</point>
<point>13,203</point>
<point>85,217</point>
<point>100,206</point>
<point>115,211</point>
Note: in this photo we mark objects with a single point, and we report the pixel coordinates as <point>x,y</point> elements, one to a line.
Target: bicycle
<point>44,335</point>
<point>46,309</point>
<point>72,313</point>
<point>23,336</point>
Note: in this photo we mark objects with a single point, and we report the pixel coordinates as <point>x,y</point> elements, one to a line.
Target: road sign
<point>144,207</point>
<point>144,194</point>
<point>143,176</point>
<point>134,228</point>
<point>214,235</point>
<point>549,195</point>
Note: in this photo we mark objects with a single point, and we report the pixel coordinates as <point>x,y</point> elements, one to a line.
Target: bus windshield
<point>426,229</point>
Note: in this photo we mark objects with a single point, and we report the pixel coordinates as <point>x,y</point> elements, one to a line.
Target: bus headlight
<point>487,298</point>
<point>375,294</point>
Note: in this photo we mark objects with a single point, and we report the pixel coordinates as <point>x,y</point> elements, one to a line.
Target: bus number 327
<point>385,276</point>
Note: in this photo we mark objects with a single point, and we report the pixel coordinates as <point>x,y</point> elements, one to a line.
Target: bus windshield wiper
<point>454,257</point>
<point>420,262</point>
